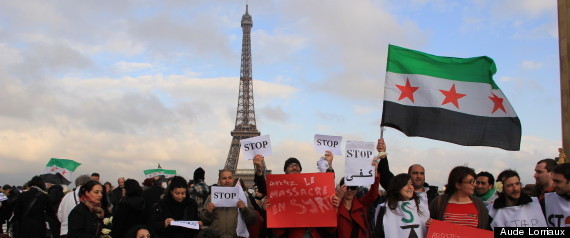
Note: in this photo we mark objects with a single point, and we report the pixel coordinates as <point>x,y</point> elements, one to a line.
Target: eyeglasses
<point>472,182</point>
<point>352,187</point>
<point>293,165</point>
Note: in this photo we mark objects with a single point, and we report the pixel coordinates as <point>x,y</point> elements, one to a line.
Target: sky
<point>121,86</point>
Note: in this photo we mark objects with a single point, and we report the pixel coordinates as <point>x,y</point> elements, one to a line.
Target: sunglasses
<point>352,187</point>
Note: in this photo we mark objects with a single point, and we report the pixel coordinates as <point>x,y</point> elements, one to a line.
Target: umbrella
<point>56,178</point>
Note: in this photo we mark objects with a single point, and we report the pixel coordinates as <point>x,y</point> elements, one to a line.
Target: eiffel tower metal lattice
<point>245,118</point>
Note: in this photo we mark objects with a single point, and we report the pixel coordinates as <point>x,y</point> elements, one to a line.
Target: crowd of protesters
<point>147,209</point>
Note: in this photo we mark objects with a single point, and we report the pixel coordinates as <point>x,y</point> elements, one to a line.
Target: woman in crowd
<point>402,214</point>
<point>138,232</point>
<point>457,204</point>
<point>31,210</point>
<point>131,210</point>
<point>353,212</point>
<point>174,206</point>
<point>86,219</point>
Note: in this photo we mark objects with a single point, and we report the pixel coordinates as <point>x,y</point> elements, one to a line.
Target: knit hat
<point>199,174</point>
<point>290,161</point>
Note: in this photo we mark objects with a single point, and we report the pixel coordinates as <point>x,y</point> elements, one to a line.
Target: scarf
<point>487,195</point>
<point>93,206</point>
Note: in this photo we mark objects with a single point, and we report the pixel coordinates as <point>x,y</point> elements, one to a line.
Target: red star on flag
<point>452,96</point>
<point>497,103</point>
<point>53,169</point>
<point>407,90</point>
<point>63,173</point>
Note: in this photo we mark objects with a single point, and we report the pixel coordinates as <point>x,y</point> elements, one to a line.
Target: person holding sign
<point>416,171</point>
<point>513,208</point>
<point>224,220</point>
<point>174,206</point>
<point>557,205</point>
<point>293,166</point>
<point>403,213</point>
<point>457,204</point>
<point>353,211</point>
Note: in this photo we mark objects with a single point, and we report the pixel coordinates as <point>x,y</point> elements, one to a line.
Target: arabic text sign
<point>448,229</point>
<point>324,143</point>
<point>358,168</point>
<point>301,200</point>
<point>186,224</point>
<point>225,196</point>
<point>255,145</point>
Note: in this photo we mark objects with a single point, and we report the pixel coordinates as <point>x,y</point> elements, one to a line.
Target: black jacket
<point>167,207</point>
<point>386,175</point>
<point>8,206</point>
<point>116,196</point>
<point>83,223</point>
<point>31,221</point>
<point>130,213</point>
<point>151,196</point>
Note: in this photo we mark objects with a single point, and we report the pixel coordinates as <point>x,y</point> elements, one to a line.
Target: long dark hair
<point>132,188</point>
<point>393,195</point>
<point>176,182</point>
<point>132,233</point>
<point>457,175</point>
<point>87,187</point>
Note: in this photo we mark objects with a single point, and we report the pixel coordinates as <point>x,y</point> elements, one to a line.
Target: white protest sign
<point>322,165</point>
<point>358,168</point>
<point>225,196</point>
<point>324,143</point>
<point>255,145</point>
<point>186,224</point>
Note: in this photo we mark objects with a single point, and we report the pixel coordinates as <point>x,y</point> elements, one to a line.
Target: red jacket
<point>358,212</point>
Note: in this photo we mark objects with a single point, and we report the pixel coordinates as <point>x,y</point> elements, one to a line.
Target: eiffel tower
<point>245,118</point>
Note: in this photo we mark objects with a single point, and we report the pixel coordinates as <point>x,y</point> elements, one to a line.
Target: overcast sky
<point>120,86</point>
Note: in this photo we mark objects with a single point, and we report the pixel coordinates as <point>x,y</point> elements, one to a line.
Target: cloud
<point>275,48</point>
<point>360,110</point>
<point>274,113</point>
<point>351,70</point>
<point>531,65</point>
<point>123,66</point>
<point>123,125</point>
<point>522,8</point>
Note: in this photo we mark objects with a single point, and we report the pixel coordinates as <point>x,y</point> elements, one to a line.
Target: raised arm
<point>383,168</point>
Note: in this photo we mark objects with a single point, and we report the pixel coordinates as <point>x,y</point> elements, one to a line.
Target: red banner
<point>301,200</point>
<point>442,229</point>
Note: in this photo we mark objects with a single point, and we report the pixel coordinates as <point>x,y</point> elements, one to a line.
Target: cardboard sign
<point>255,145</point>
<point>301,200</point>
<point>186,224</point>
<point>225,196</point>
<point>439,229</point>
<point>324,143</point>
<point>358,168</point>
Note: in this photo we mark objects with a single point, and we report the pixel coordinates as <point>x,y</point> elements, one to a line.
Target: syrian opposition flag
<point>150,173</point>
<point>58,171</point>
<point>448,99</point>
<point>169,173</point>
